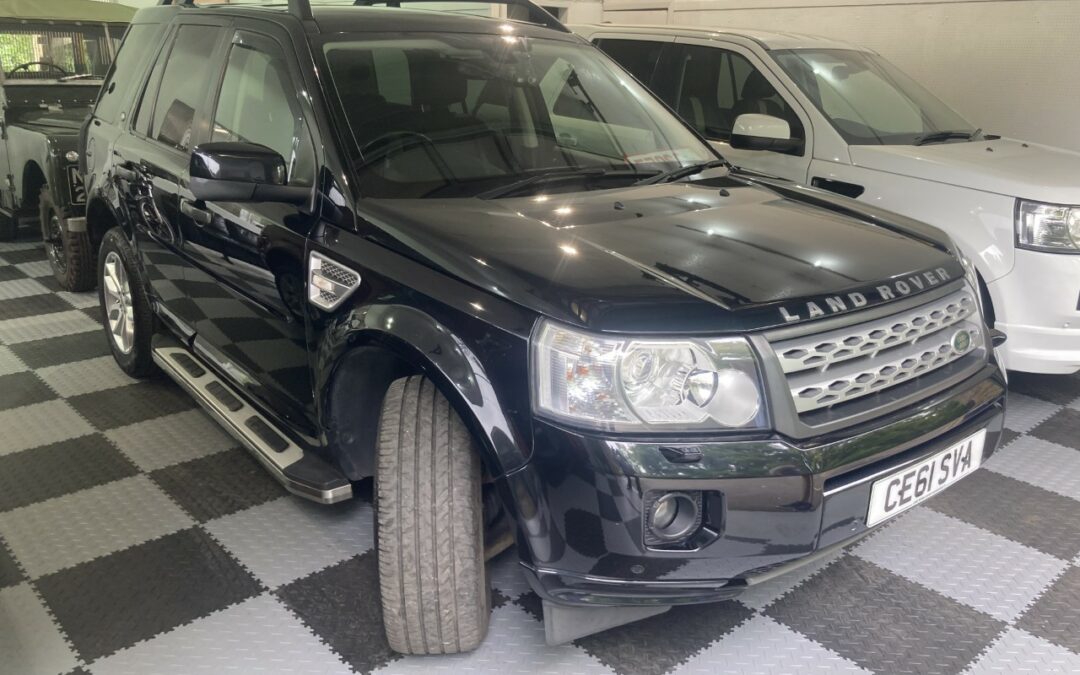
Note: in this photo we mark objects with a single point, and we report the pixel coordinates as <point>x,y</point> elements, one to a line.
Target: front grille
<point>839,366</point>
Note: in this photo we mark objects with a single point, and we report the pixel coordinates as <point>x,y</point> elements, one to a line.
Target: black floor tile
<point>1056,614</point>
<point>32,305</point>
<point>1053,388</point>
<point>65,349</point>
<point>1062,428</point>
<point>53,470</point>
<point>113,602</point>
<point>341,604</point>
<point>50,283</point>
<point>10,272</point>
<point>1014,509</point>
<point>215,486</point>
<point>10,574</point>
<point>19,389</point>
<point>24,255</point>
<point>884,622</point>
<point>94,312</point>
<point>132,403</point>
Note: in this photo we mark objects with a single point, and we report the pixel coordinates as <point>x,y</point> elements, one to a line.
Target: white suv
<point>842,118</point>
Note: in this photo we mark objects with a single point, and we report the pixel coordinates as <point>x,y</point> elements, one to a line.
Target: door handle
<point>202,217</point>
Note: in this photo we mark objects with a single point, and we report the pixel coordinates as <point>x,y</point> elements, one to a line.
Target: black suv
<point>474,259</point>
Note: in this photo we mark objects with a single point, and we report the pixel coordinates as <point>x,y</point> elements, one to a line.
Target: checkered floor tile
<point>136,537</point>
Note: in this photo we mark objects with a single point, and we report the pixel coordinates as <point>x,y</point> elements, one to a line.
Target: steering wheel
<point>26,67</point>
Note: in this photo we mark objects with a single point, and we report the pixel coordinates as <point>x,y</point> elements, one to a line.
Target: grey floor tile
<point>218,485</point>
<point>84,377</point>
<point>1018,651</point>
<point>1055,616</point>
<point>1041,463</point>
<point>170,439</point>
<point>36,268</point>
<point>884,622</point>
<point>288,538</point>
<point>20,288</point>
<point>15,331</point>
<point>30,643</point>
<point>111,603</point>
<point>40,424</point>
<point>258,636</point>
<point>1024,413</point>
<point>58,469</point>
<point>9,362</point>
<point>59,533</point>
<point>978,568</point>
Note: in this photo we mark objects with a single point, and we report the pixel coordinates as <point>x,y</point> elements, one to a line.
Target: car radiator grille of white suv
<point>828,369</point>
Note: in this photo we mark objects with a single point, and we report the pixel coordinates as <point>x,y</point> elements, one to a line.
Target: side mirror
<point>242,172</point>
<point>763,132</point>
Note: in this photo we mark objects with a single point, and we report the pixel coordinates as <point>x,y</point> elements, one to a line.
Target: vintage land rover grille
<point>832,368</point>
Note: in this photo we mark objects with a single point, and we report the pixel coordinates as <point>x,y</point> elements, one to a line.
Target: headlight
<point>71,156</point>
<point>632,384</point>
<point>1047,227</point>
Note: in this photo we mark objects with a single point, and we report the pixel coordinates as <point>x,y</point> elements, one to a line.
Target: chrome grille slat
<point>827,369</point>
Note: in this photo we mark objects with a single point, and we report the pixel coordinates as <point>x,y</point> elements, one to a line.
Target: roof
<point>66,10</point>
<point>768,39</point>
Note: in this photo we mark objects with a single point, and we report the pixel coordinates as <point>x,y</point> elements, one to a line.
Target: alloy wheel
<point>54,245</point>
<point>118,305</point>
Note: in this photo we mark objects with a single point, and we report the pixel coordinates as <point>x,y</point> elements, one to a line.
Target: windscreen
<point>455,115</point>
<point>867,99</point>
<point>56,52</point>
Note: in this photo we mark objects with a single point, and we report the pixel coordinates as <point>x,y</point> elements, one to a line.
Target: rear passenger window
<point>637,56</point>
<point>125,71</point>
<point>183,85</point>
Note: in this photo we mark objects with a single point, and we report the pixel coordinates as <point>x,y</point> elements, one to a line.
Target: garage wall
<point>1009,66</point>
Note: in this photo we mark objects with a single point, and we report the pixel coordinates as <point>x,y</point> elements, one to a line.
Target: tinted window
<point>637,56</point>
<point>183,85</point>
<point>258,104</point>
<point>715,86</point>
<point>125,72</point>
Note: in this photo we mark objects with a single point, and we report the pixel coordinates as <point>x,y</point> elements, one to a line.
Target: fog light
<point>673,517</point>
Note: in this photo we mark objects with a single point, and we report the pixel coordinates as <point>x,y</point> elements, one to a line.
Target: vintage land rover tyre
<point>70,254</point>
<point>127,316</point>
<point>435,595</point>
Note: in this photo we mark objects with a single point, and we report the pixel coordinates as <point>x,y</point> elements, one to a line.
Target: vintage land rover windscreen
<point>54,51</point>
<point>464,115</point>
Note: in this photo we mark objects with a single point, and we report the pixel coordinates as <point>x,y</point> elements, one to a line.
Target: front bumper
<point>1037,306</point>
<point>775,504</point>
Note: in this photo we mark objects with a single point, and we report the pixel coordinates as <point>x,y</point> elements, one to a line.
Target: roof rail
<point>301,9</point>
<point>536,13</point>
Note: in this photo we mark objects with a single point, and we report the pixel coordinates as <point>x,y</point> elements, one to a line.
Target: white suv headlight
<point>1047,227</point>
<point>644,384</point>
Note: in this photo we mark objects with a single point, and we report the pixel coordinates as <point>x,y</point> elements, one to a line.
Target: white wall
<point>1009,66</point>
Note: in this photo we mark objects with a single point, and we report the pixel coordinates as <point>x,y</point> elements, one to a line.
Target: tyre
<point>430,537</point>
<point>126,313</point>
<point>70,255</point>
<point>9,227</point>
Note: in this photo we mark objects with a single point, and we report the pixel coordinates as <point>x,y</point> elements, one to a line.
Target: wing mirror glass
<point>242,172</point>
<point>763,132</point>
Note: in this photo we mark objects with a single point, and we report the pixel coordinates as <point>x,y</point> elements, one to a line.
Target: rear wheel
<point>70,255</point>
<point>125,303</point>
<point>430,531</point>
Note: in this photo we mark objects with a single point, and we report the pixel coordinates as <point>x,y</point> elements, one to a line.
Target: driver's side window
<point>258,104</point>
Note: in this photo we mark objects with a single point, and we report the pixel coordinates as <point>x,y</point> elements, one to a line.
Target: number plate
<point>75,184</point>
<point>897,493</point>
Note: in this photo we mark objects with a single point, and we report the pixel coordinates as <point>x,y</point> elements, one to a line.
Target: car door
<point>246,277</point>
<point>151,160</point>
<point>638,54</point>
<point>711,82</point>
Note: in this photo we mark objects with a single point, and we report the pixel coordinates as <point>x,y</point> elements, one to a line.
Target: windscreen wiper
<point>940,136</point>
<point>682,172</point>
<point>568,173</point>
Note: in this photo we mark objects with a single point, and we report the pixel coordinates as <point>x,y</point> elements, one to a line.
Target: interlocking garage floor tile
<point>764,646</point>
<point>113,602</point>
<point>170,439</point>
<point>258,636</point>
<point>1016,510</point>
<point>19,389</point>
<point>1059,390</point>
<point>36,268</point>
<point>1018,651</point>
<point>39,424</point>
<point>54,351</point>
<point>20,288</point>
<point>79,300</point>
<point>288,538</point>
<point>9,363</point>
<point>84,377</point>
<point>29,642</point>
<point>1024,413</point>
<point>884,622</point>
<point>1048,465</point>
<point>66,531</point>
<point>9,272</point>
<point>10,574</point>
<point>30,305</point>
<point>23,254</point>
<point>218,485</point>
<point>341,604</point>
<point>138,402</point>
<point>1056,615</point>
<point>995,575</point>
<point>1063,429</point>
<point>54,470</point>
<point>15,331</point>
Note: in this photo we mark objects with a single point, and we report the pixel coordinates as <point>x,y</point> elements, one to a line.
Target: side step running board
<point>302,474</point>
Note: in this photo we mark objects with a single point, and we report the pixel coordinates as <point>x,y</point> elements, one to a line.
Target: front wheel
<point>70,254</point>
<point>435,595</point>
<point>127,315</point>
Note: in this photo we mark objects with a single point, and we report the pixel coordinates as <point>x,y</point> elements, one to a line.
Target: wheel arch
<point>100,218</point>
<point>33,180</point>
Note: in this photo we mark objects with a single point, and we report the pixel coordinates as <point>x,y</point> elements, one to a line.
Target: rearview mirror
<point>242,172</point>
<point>763,132</point>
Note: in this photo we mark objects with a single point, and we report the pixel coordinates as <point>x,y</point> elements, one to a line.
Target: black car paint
<point>454,289</point>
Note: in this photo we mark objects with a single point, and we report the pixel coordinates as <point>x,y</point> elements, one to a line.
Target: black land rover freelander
<point>474,259</point>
